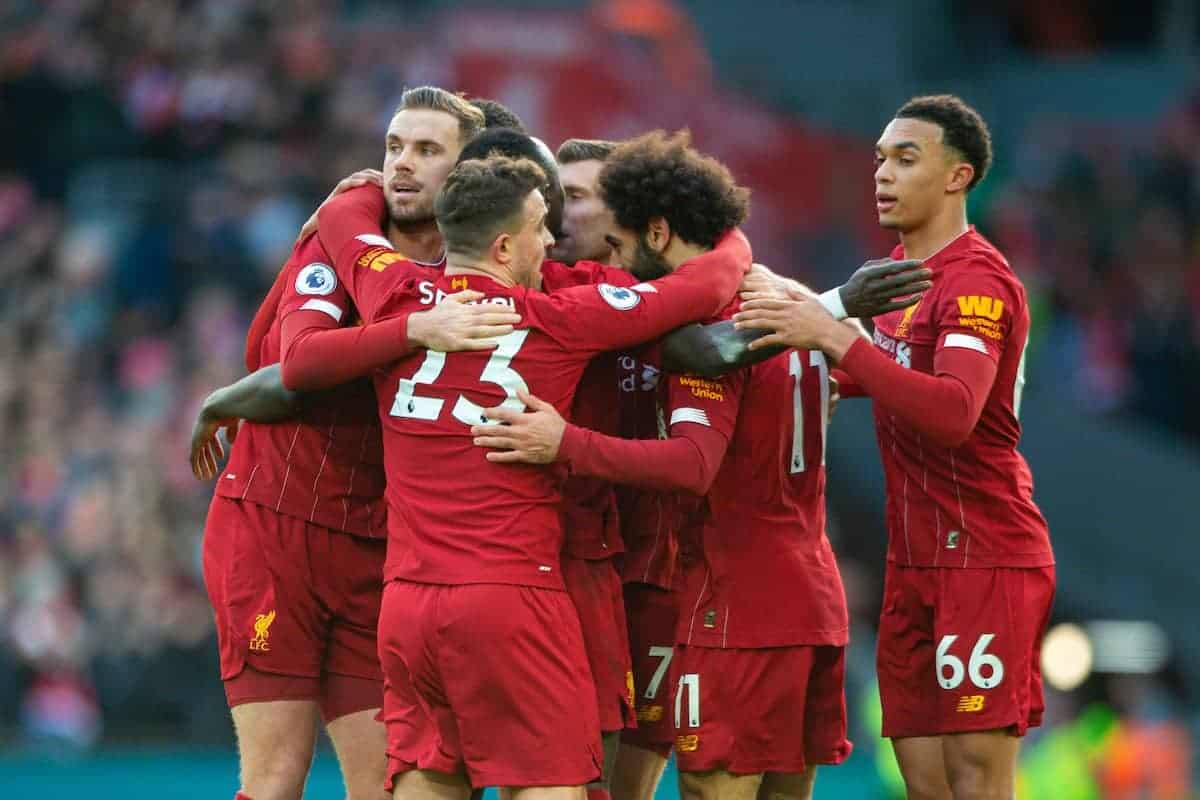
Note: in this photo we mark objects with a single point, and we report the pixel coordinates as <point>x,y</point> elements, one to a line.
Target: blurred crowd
<point>158,158</point>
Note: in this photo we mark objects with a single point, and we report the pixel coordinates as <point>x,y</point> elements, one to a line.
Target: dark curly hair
<point>483,197</point>
<point>963,129</point>
<point>498,115</point>
<point>661,175</point>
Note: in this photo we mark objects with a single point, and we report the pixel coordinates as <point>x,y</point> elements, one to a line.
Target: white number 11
<point>796,369</point>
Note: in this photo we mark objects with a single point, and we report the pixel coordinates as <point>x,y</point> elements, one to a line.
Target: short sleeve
<point>976,310</point>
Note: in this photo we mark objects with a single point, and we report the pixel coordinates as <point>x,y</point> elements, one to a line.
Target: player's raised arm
<point>944,405</point>
<point>606,317</point>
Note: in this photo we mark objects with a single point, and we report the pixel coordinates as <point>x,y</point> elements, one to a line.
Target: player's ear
<point>658,235</point>
<point>502,248</point>
<point>961,175</point>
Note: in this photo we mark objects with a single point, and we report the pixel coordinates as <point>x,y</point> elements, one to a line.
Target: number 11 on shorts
<point>980,659</point>
<point>691,684</point>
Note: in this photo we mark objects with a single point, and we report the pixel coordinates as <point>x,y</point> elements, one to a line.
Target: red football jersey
<point>456,517</point>
<point>325,466</point>
<point>971,505</point>
<point>766,575</point>
<point>651,519</point>
<point>591,527</point>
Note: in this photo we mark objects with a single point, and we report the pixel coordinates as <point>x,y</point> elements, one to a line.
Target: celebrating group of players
<point>532,473</point>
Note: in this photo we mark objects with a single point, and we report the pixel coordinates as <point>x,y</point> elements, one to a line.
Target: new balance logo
<point>687,744</point>
<point>649,713</point>
<point>969,703</point>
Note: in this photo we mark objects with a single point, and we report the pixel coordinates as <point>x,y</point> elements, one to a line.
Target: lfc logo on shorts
<point>262,631</point>
<point>970,703</point>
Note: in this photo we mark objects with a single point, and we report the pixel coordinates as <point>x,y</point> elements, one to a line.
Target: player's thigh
<point>981,765</point>
<point>923,767</point>
<point>905,660</point>
<point>360,742</point>
<point>276,740</point>
<point>351,586</point>
<point>719,785</point>
<point>637,772</point>
<point>610,747</point>
<point>759,710</point>
<point>510,717</point>
<point>259,577</point>
<point>422,784</point>
<point>596,592</point>
<point>550,793</point>
<point>422,734</point>
<point>788,785</point>
<point>988,627</point>
<point>651,617</point>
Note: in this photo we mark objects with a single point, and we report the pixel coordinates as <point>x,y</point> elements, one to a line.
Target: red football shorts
<point>652,615</point>
<point>296,606</point>
<point>489,679</point>
<point>958,649</point>
<point>770,709</point>
<point>595,589</point>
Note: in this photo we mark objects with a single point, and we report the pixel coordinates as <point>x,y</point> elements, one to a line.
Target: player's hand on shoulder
<point>460,322</point>
<point>794,323</point>
<point>884,284</point>
<point>206,451</point>
<point>532,436</point>
<point>360,178</point>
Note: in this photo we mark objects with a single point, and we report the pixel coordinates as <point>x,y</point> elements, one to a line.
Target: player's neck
<point>928,239</point>
<point>460,265</point>
<point>421,242</point>
<point>679,251</point>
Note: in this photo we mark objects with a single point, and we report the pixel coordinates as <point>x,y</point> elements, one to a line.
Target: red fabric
<point>687,461</point>
<point>925,608</point>
<point>846,385</point>
<point>591,524</point>
<point>325,465</point>
<point>789,702</point>
<point>768,576</point>
<point>318,355</point>
<point>652,614</point>
<point>474,521</point>
<point>264,318</point>
<point>598,794</point>
<point>318,591</point>
<point>370,269</point>
<point>958,492</point>
<point>595,590</point>
<point>242,796</point>
<point>753,443</point>
<point>944,406</point>
<point>503,725</point>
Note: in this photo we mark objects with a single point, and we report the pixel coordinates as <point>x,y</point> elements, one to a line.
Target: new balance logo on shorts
<point>688,743</point>
<point>970,703</point>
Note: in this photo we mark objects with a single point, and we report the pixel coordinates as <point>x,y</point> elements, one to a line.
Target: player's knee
<point>367,784</point>
<point>278,777</point>
<point>788,785</point>
<point>926,785</point>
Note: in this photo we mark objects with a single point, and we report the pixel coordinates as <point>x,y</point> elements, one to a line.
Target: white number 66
<point>980,658</point>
